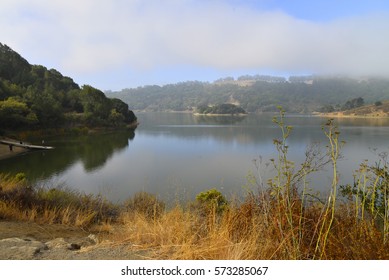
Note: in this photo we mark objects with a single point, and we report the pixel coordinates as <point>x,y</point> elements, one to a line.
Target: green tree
<point>122,108</point>
<point>97,106</point>
<point>15,113</point>
<point>116,118</point>
<point>13,67</point>
<point>353,103</point>
<point>47,109</point>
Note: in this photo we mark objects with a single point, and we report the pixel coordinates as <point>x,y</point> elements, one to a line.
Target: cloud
<point>97,35</point>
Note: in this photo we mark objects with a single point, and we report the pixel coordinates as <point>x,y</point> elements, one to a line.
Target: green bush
<point>212,199</point>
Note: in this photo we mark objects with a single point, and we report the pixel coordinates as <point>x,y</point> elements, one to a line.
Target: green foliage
<point>95,106</point>
<point>115,118</point>
<point>13,67</point>
<point>370,193</point>
<point>15,113</point>
<point>122,108</point>
<point>212,199</point>
<point>34,96</point>
<point>353,103</point>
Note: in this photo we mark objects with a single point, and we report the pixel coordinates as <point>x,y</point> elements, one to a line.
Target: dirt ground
<point>10,229</point>
<point>5,152</point>
<point>96,248</point>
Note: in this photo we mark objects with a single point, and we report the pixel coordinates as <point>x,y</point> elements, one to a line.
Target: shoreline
<point>6,153</point>
<point>351,116</point>
<point>223,115</point>
<point>313,114</point>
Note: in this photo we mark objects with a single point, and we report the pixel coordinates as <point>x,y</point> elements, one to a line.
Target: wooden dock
<point>24,145</point>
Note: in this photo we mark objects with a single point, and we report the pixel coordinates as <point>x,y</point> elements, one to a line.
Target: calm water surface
<point>177,155</point>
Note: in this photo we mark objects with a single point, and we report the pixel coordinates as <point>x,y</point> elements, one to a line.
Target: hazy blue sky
<point>114,44</point>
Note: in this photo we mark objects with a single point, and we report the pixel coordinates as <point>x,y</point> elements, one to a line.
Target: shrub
<point>212,199</point>
<point>145,203</point>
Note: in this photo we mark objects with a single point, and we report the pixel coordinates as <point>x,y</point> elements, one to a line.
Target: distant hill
<point>32,96</point>
<point>257,93</point>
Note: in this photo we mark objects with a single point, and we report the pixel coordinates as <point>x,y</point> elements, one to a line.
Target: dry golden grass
<point>23,202</point>
<point>238,234</point>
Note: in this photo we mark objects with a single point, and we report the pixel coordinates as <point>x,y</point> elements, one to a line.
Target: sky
<point>116,44</point>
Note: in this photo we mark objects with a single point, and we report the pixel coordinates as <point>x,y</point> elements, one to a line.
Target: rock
<point>20,249</point>
<point>93,239</point>
<point>73,244</point>
<point>77,243</point>
<point>58,243</point>
<point>79,248</point>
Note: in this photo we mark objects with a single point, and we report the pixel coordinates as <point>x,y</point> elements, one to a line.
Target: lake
<point>177,155</point>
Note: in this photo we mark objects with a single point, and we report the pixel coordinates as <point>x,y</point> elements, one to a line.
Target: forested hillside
<point>258,93</point>
<point>32,96</point>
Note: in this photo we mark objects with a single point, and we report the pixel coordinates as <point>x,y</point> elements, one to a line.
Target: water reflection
<point>259,129</point>
<point>175,152</point>
<point>224,120</point>
<point>92,150</point>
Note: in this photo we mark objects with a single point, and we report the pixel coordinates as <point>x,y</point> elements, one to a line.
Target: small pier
<point>22,144</point>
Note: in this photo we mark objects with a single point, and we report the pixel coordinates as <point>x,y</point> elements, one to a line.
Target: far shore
<point>314,114</point>
<point>5,152</point>
<point>351,116</point>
